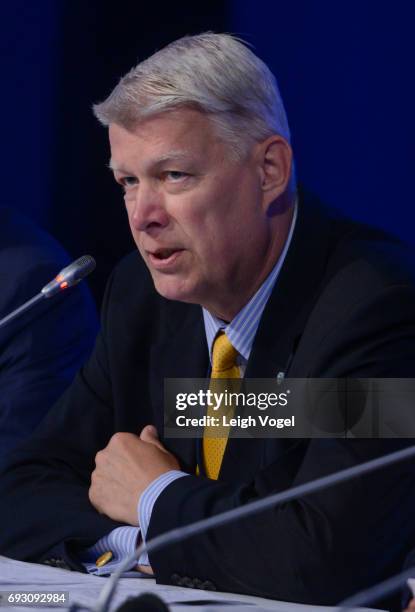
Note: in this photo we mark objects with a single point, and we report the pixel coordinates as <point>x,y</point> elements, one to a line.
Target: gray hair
<point>214,73</point>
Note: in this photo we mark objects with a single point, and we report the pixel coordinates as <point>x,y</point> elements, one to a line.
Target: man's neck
<point>228,308</point>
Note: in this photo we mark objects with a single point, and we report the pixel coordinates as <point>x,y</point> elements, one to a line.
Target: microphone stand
<point>21,309</point>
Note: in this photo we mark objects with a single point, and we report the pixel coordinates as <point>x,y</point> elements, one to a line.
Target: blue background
<point>345,70</point>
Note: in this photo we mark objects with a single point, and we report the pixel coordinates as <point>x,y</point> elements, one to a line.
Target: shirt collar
<point>242,329</point>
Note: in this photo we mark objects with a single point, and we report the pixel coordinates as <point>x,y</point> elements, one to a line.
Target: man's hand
<point>124,469</point>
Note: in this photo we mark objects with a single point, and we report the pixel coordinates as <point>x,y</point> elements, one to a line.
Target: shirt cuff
<point>147,500</point>
<point>122,542</point>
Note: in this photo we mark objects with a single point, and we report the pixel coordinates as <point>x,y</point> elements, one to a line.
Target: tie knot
<point>223,354</point>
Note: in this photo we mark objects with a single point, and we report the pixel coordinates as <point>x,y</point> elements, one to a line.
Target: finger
<point>145,569</point>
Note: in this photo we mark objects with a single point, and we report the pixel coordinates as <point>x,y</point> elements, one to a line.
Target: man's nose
<point>148,209</point>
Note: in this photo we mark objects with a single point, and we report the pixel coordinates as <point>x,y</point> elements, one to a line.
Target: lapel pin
<point>280,377</point>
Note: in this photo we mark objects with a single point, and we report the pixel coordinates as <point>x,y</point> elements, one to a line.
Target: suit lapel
<point>294,295</point>
<point>280,329</point>
<point>181,352</point>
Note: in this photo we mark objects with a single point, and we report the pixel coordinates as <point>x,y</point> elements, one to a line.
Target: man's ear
<point>276,161</point>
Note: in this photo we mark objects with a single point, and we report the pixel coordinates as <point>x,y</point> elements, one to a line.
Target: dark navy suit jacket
<point>41,351</point>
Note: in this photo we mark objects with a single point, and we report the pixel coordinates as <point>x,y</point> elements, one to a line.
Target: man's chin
<point>175,290</point>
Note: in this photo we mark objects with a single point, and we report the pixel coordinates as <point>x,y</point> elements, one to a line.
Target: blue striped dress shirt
<point>240,332</point>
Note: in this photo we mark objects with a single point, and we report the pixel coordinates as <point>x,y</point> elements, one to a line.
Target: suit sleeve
<point>321,548</point>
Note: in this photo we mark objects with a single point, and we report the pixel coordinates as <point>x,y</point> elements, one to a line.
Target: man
<point>231,256</point>
<point>41,351</point>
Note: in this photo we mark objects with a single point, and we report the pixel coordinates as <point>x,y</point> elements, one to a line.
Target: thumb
<point>149,434</point>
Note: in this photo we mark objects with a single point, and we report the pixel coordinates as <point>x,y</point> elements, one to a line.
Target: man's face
<point>196,216</point>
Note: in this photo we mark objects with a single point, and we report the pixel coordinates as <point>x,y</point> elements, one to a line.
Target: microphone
<point>68,277</point>
<point>147,602</point>
<point>182,533</point>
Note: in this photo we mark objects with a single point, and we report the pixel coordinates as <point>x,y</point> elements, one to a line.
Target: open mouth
<point>161,258</point>
<point>163,254</point>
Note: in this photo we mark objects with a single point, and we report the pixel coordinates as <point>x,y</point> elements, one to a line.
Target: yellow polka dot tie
<point>223,366</point>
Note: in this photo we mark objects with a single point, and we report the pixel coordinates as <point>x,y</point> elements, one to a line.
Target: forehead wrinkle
<point>175,155</point>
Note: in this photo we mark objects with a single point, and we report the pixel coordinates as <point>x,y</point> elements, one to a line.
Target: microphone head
<point>147,602</point>
<point>70,276</point>
<point>78,269</point>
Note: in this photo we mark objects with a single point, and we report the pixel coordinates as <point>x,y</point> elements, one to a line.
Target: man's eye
<point>128,181</point>
<point>175,175</point>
